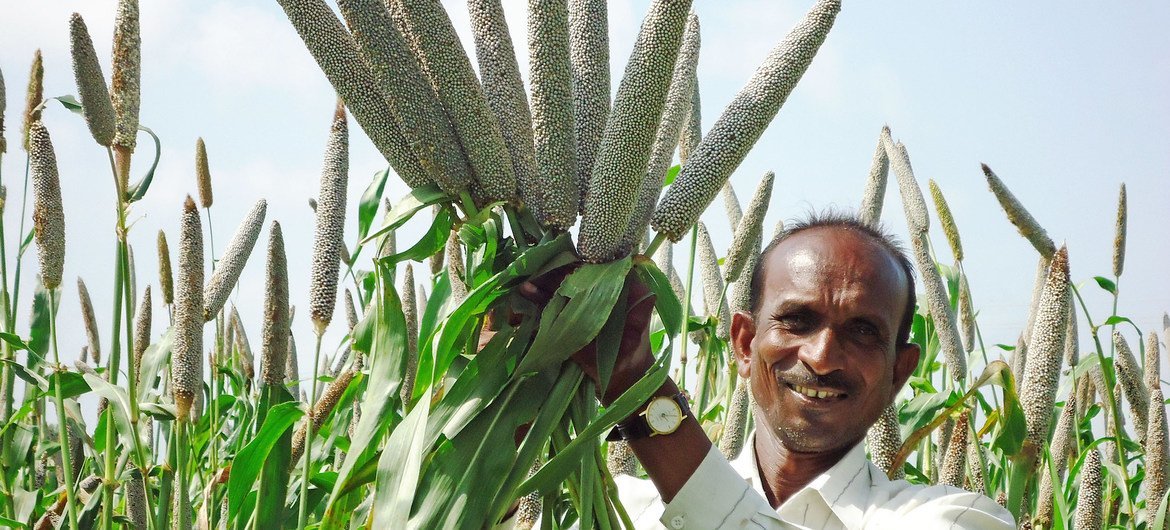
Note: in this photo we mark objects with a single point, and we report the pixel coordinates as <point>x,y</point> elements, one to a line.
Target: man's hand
<point>634,357</point>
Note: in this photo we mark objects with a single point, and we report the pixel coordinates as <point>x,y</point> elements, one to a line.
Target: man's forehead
<point>847,254</point>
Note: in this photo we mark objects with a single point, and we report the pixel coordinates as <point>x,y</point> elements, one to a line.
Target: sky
<point>1064,104</point>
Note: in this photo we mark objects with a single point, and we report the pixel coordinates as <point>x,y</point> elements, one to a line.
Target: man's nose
<point>821,354</point>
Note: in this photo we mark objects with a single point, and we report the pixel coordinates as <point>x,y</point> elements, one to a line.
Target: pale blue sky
<point>1064,104</point>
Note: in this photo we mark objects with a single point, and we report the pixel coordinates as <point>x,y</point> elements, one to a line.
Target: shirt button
<point>677,522</point>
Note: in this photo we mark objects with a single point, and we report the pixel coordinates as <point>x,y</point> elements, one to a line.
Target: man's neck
<point>784,471</point>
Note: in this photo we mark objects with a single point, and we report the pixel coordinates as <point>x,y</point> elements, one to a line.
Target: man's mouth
<point>814,393</point>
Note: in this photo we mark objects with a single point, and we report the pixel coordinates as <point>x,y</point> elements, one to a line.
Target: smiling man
<point>826,350</point>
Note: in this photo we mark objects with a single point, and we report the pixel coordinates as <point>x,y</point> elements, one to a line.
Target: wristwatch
<point>662,415</point>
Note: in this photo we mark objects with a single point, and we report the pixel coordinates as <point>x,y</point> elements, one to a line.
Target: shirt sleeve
<point>945,507</point>
<point>716,496</point>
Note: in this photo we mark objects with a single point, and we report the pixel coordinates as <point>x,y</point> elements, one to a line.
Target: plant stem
<point>62,422</point>
<point>686,306</point>
<point>303,516</point>
<point>654,244</point>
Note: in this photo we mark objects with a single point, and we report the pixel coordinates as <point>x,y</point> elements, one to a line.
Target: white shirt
<point>853,494</point>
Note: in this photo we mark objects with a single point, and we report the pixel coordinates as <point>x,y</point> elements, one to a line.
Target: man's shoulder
<point>902,500</point>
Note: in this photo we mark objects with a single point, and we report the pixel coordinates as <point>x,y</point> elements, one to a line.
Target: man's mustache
<point>833,381</point>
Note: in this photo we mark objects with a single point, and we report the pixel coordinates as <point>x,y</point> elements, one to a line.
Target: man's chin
<point>813,439</point>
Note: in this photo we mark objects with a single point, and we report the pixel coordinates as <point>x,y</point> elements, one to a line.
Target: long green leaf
<point>371,198</point>
<point>401,212</point>
<point>591,290</point>
<point>249,461</point>
<point>274,475</point>
<point>398,470</point>
<point>387,358</point>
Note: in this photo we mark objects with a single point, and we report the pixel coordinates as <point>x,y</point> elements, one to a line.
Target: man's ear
<point>743,331</point>
<point>905,361</point>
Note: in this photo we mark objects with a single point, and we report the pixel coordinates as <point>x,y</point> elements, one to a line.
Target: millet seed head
<point>337,55</point>
<point>674,113</point>
<point>1119,234</point>
<point>731,441</point>
<point>749,230</point>
<point>351,317</point>
<point>743,121</point>
<point>3,105</point>
<point>1152,372</point>
<point>410,310</point>
<point>741,289</point>
<point>874,196</point>
<point>243,347</point>
<point>624,151</point>
<point>954,468</point>
<point>408,92</point>
<point>48,216</point>
<point>1156,447</point>
<point>1129,376</point>
<point>713,300</point>
<point>202,174</point>
<point>946,220</point>
<point>90,322</point>
<point>884,439</point>
<point>187,361</point>
<point>126,75</point>
<point>135,494</point>
<point>274,341</point>
<point>91,83</point>
<point>946,328</point>
<point>429,30</point>
<point>556,197</point>
<point>589,64</point>
<point>913,204</point>
<point>1046,352</point>
<point>231,264</point>
<point>328,240</point>
<point>692,129</point>
<point>1063,446</point>
<point>504,90</point>
<point>142,322</point>
<point>966,315</point>
<point>620,459</point>
<point>321,410</point>
<point>731,204</point>
<point>1088,515</point>
<point>1019,216</point>
<point>34,96</point>
<point>165,278</point>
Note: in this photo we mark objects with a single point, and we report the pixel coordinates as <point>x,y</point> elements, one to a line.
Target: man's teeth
<point>819,394</point>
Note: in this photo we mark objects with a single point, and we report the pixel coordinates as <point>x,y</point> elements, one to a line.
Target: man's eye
<point>793,322</point>
<point>866,330</point>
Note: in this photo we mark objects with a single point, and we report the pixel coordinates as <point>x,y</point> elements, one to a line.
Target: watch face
<point>663,415</point>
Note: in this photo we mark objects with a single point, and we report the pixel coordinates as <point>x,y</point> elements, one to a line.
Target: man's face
<point>821,353</point>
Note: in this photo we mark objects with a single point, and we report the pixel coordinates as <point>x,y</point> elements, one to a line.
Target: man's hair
<point>843,221</point>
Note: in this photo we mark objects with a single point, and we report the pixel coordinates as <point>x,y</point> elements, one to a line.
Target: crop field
<point>372,360</point>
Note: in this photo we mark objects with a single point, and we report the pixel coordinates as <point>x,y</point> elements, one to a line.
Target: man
<point>825,349</point>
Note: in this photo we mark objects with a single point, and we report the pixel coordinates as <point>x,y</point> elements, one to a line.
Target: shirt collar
<point>844,488</point>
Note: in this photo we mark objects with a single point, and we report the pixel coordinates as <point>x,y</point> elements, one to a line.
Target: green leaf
<point>368,206</point>
<point>671,174</point>
<point>72,384</point>
<point>433,240</point>
<point>118,402</point>
<point>28,376</point>
<point>71,104</point>
<point>400,213</point>
<point>28,238</point>
<point>665,302</point>
<point>154,361</point>
<point>14,340</point>
<point>138,190</point>
<point>387,361</point>
<point>455,327</point>
<point>591,291</point>
<point>1107,284</point>
<point>38,333</point>
<point>274,474</point>
<point>248,462</point>
<point>159,411</point>
<point>555,470</point>
<point>1114,320</point>
<point>398,470</point>
<point>538,435</point>
<point>609,339</point>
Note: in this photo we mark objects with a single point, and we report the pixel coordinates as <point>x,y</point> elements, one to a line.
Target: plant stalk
<point>62,421</point>
<point>303,515</point>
